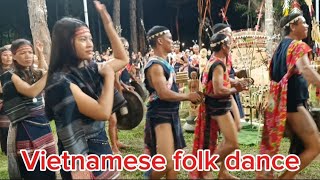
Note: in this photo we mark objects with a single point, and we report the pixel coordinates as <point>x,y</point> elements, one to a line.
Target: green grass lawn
<point>134,138</point>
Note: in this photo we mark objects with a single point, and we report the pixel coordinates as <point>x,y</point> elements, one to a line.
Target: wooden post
<point>269,27</point>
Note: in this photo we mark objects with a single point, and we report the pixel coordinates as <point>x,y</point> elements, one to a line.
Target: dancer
<point>214,113</point>
<point>6,64</point>
<point>290,74</point>
<point>163,132</point>
<point>29,128</point>
<point>80,93</point>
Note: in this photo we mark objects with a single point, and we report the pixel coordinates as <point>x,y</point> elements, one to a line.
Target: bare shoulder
<point>155,70</point>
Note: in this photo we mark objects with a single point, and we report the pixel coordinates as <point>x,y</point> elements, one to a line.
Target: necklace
<point>34,100</point>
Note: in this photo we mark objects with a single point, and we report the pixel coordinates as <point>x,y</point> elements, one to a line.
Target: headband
<point>219,42</point>
<point>5,51</point>
<point>222,30</point>
<point>158,34</point>
<point>81,30</point>
<point>22,48</point>
<point>292,21</point>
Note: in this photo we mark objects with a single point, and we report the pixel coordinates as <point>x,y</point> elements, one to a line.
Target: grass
<point>134,138</point>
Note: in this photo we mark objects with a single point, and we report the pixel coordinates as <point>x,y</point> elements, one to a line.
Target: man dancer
<point>163,132</point>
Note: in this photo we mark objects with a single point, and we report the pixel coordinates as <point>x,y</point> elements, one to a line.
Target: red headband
<point>24,47</point>
<point>5,51</point>
<point>81,30</point>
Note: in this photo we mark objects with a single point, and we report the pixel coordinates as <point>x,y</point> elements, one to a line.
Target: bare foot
<point>121,145</point>
<point>226,175</point>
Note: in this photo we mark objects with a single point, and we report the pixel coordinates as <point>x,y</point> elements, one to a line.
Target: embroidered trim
<point>158,34</point>
<point>219,42</point>
<point>292,21</point>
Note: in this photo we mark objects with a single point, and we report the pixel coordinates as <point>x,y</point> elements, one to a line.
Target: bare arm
<point>100,109</point>
<point>158,81</point>
<point>217,80</point>
<point>117,83</point>
<point>26,89</point>
<point>41,59</point>
<point>308,73</point>
<point>120,57</point>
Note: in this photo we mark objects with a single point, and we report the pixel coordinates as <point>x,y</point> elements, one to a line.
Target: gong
<point>134,113</point>
<point>140,89</point>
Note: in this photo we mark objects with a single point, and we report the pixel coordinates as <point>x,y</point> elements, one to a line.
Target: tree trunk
<point>248,15</point>
<point>133,25</point>
<point>66,5</point>
<point>141,33</point>
<point>200,32</point>
<point>92,17</point>
<point>57,10</point>
<point>116,16</point>
<point>39,26</point>
<point>177,23</point>
<point>269,25</point>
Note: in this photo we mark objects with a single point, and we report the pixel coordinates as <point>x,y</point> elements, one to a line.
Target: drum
<point>140,89</point>
<point>130,118</point>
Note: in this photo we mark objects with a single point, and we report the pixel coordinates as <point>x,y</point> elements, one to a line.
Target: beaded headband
<point>222,30</point>
<point>219,42</point>
<point>158,34</point>
<point>293,21</point>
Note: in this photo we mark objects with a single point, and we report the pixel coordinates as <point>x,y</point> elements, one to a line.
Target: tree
<point>141,33</point>
<point>133,25</point>
<point>116,16</point>
<point>38,24</point>
<point>269,23</point>
<point>66,6</point>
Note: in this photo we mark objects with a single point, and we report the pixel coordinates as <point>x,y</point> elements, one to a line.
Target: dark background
<point>14,18</point>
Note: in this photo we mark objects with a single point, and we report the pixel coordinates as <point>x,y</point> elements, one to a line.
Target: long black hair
<point>27,74</point>
<point>63,54</point>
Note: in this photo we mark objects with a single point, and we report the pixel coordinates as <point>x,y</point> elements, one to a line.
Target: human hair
<point>220,26</point>
<point>153,34</point>
<point>123,40</point>
<point>285,20</point>
<point>27,74</point>
<point>63,55</point>
<point>215,39</point>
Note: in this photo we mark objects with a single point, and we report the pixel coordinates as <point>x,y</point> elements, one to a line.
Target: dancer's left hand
<point>101,8</point>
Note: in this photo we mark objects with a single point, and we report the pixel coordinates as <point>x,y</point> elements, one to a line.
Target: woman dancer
<point>79,92</point>
<point>23,103</point>
<point>6,64</point>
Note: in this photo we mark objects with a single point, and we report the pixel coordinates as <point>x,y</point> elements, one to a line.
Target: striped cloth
<point>29,129</point>
<point>77,133</point>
